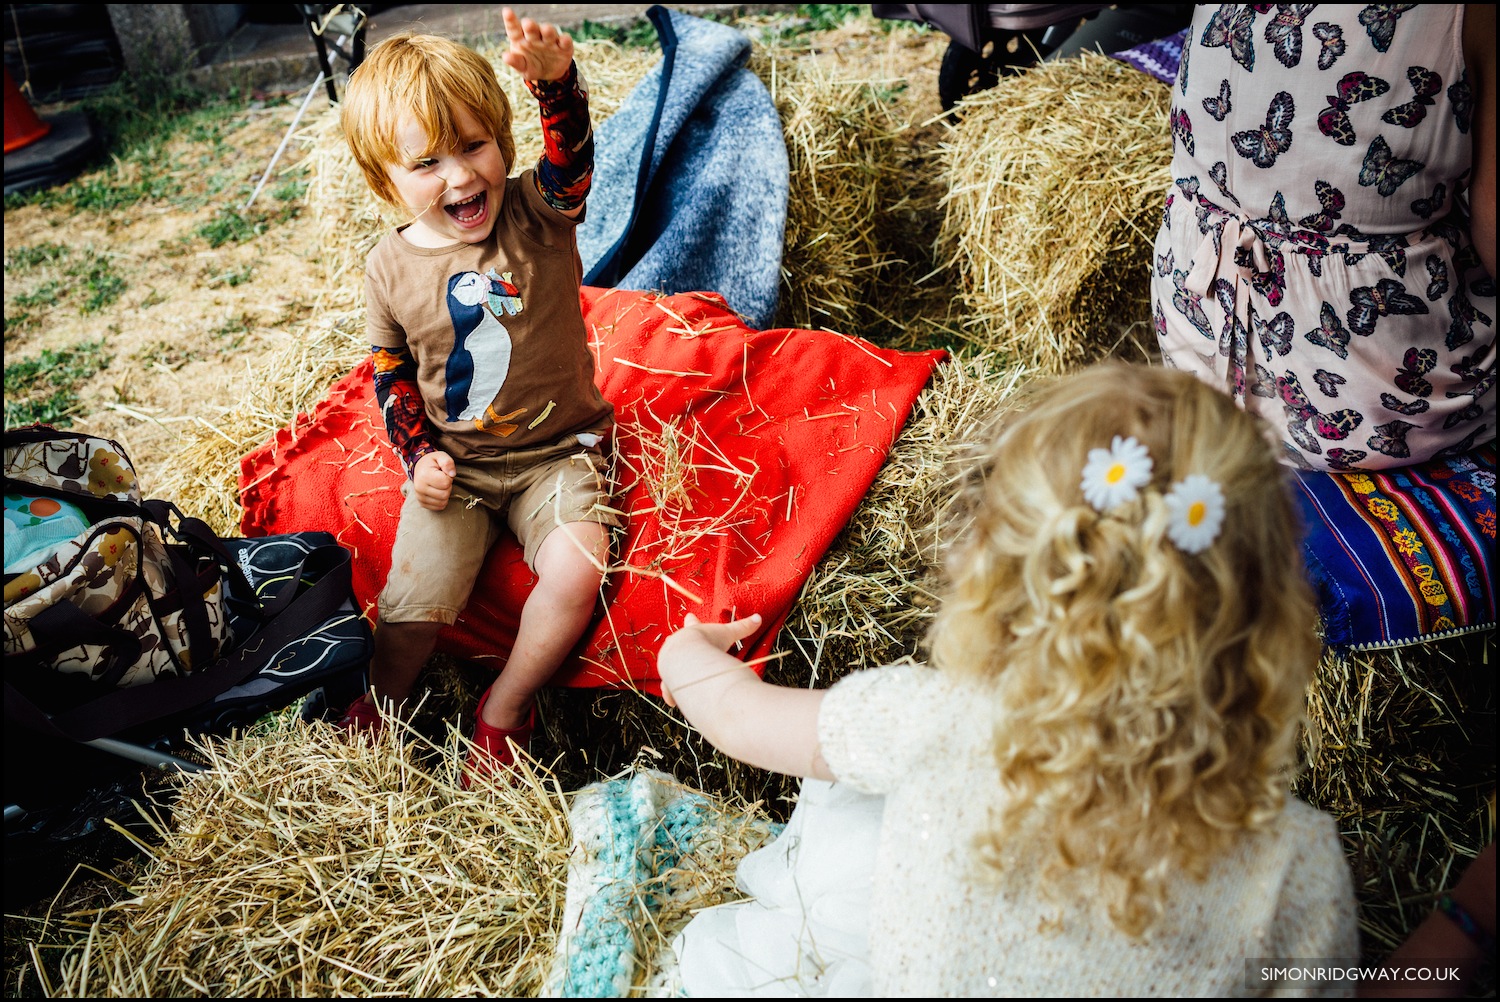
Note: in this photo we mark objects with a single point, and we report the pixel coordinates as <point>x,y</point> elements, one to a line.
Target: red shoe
<point>494,751</point>
<point>362,717</point>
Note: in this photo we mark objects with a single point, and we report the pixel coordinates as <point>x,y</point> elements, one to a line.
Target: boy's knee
<point>572,559</point>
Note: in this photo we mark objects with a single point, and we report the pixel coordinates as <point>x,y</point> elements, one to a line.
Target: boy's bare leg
<point>401,650</point>
<point>554,617</point>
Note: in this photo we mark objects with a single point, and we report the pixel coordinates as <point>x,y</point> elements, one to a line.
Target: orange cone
<point>22,127</point>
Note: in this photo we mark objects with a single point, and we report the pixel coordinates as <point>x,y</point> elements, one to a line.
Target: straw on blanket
<point>867,602</point>
<point>306,864</point>
<point>1056,180</point>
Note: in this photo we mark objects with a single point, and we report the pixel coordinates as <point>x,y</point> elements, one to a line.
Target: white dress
<point>897,877</point>
<point>804,933</point>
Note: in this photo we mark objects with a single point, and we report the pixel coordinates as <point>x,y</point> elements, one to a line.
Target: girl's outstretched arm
<point>769,726</point>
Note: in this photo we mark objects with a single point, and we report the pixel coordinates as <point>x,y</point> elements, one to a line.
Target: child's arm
<point>769,726</point>
<point>544,58</point>
<point>400,399</point>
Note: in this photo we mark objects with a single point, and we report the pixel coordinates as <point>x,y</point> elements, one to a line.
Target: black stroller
<point>999,39</point>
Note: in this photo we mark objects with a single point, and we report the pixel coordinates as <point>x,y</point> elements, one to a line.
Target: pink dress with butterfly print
<point>1313,259</point>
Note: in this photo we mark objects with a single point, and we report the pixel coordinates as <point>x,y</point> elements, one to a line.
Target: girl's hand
<point>537,51</point>
<point>696,653</point>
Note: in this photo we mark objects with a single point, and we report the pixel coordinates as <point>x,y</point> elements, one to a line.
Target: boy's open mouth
<point>470,210</point>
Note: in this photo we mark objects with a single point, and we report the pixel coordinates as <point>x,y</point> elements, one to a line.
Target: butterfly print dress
<point>1314,258</point>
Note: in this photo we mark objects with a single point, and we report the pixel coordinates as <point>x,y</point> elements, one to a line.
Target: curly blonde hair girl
<point>1151,698</point>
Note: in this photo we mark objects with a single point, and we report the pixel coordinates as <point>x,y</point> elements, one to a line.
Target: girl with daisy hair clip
<point>1085,790</point>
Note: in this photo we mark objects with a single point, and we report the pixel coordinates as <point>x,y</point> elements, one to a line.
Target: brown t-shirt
<point>495,328</point>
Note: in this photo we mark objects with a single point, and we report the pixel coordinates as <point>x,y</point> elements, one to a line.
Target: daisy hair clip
<point>1195,504</point>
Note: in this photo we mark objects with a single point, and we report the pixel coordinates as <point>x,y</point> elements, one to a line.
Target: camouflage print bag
<point>131,599</point>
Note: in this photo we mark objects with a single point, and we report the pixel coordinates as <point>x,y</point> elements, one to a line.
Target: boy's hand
<point>433,480</point>
<point>537,51</point>
<point>697,653</point>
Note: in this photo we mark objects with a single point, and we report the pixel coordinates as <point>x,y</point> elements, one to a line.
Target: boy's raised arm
<point>543,56</point>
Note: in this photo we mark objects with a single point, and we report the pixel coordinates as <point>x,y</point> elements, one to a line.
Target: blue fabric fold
<point>691,177</point>
<point>1402,556</point>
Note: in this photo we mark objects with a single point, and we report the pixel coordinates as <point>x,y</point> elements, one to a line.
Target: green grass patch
<point>634,34</point>
<point>91,281</point>
<point>102,285</point>
<point>290,191</point>
<point>44,388</point>
<point>106,191</point>
<point>26,258</point>
<point>46,294</point>
<point>19,321</point>
<point>134,117</point>
<point>640,34</point>
<point>826,16</point>
<point>230,226</point>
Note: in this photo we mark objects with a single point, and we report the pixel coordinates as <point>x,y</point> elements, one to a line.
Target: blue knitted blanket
<point>690,176</point>
<point>647,852</point>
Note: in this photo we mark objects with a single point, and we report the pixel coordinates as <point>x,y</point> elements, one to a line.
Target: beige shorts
<point>438,554</point>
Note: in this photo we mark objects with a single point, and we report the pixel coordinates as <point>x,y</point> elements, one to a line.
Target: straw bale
<point>1055,184</point>
<point>850,166</point>
<point>871,598</point>
<point>1401,749</point>
<point>306,864</point>
<point>202,473</point>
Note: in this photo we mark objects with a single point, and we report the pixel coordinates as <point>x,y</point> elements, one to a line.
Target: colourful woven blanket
<point>1403,556</point>
<point>739,455</point>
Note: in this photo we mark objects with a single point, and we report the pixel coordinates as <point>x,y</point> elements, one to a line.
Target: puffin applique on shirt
<point>480,359</point>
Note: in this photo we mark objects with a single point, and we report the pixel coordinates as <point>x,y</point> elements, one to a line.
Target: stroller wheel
<point>965,72</point>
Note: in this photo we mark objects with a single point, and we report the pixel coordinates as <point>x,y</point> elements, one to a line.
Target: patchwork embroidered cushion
<point>1402,556</point>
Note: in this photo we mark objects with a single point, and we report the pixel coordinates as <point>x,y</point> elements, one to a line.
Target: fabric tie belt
<point>1217,253</point>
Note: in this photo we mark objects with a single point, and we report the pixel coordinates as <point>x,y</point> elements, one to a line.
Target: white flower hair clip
<point>1195,504</point>
<point>1195,508</point>
<point>1116,475</point>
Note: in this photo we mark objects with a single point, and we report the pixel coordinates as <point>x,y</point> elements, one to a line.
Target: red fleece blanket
<point>738,456</point>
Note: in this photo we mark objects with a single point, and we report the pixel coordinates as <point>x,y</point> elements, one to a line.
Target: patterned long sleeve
<point>400,400</point>
<point>564,172</point>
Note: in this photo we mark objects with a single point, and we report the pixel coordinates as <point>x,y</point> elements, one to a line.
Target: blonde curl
<point>1150,698</point>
